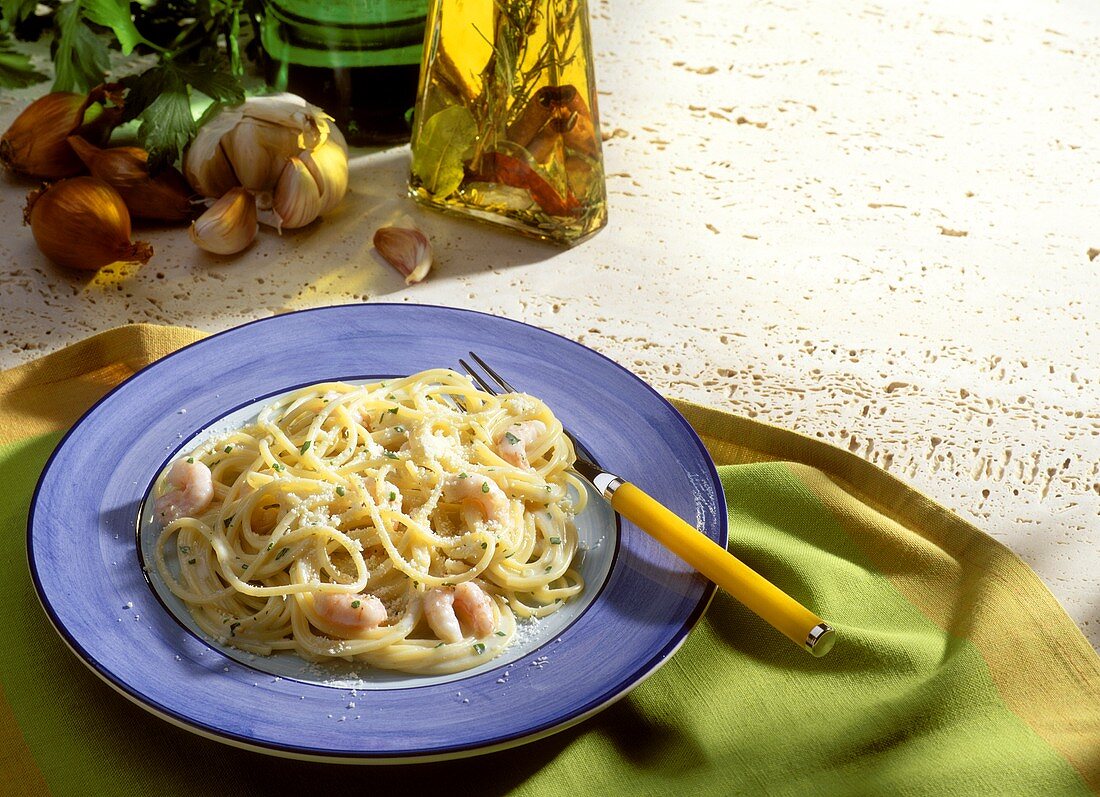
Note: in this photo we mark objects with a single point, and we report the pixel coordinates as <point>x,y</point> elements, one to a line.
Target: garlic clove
<point>328,164</point>
<point>229,225</point>
<point>83,223</point>
<point>297,198</point>
<point>407,250</point>
<point>258,152</point>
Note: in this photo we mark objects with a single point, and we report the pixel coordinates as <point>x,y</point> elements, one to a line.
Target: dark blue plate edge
<point>531,734</point>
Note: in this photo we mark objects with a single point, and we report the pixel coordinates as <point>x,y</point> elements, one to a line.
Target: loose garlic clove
<point>407,250</point>
<point>329,166</point>
<point>229,225</point>
<point>297,199</point>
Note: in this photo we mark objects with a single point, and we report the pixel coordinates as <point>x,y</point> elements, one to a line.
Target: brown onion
<point>35,144</point>
<point>83,223</point>
<point>164,196</point>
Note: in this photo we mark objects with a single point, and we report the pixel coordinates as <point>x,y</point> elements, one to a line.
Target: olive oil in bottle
<point>506,126</point>
<point>357,59</point>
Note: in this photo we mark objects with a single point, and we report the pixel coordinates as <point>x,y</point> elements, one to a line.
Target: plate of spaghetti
<point>308,536</point>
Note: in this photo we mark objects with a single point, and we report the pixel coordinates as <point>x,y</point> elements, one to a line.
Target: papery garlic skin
<point>249,144</point>
<point>229,225</point>
<point>297,198</point>
<point>407,250</point>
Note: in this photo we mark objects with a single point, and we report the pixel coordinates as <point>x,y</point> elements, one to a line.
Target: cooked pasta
<point>408,524</point>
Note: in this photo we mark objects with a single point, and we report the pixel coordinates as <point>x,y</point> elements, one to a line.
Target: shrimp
<point>481,490</point>
<point>512,445</point>
<point>191,493</point>
<point>443,605</point>
<point>351,615</point>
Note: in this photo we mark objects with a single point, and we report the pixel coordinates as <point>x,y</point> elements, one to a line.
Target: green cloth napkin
<point>956,671</point>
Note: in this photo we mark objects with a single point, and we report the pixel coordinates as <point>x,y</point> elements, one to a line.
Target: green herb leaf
<point>190,460</point>
<point>399,428</point>
<point>485,487</point>
<point>511,438</point>
<point>356,604</point>
<point>185,549</point>
<point>439,150</point>
<point>228,449</point>
<point>80,57</point>
<point>501,633</point>
<point>479,648</point>
<point>15,67</point>
<point>393,496</point>
<point>282,552</point>
<point>340,490</point>
<point>484,545</point>
<point>115,14</point>
<point>305,446</point>
<point>390,455</point>
<point>440,645</point>
<point>555,540</point>
<point>15,11</point>
<point>270,545</point>
<point>464,475</point>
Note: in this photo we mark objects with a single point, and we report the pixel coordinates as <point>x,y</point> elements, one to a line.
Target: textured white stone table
<point>867,221</point>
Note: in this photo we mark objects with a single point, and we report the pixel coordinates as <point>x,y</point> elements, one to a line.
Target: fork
<point>768,601</point>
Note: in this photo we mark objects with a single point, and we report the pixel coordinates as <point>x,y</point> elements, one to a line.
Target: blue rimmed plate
<point>88,540</point>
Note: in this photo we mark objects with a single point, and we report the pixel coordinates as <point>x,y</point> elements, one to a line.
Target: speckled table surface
<point>870,222</point>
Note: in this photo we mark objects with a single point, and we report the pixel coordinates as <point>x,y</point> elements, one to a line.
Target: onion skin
<point>164,196</point>
<point>35,145</point>
<point>83,223</point>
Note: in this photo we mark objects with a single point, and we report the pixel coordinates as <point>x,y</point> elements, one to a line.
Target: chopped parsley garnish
<point>356,604</point>
<point>390,455</point>
<point>548,488</point>
<point>501,633</point>
<point>399,428</point>
<point>393,496</point>
<point>555,540</point>
<point>244,567</point>
<point>305,446</point>
<point>393,411</point>
<point>549,568</point>
<point>479,648</point>
<point>464,475</point>
<point>485,487</point>
<point>270,506</point>
<point>190,460</point>
<point>281,554</point>
<point>185,549</point>
<point>277,466</point>
<point>340,490</point>
<point>439,645</point>
<point>270,545</point>
<point>484,545</point>
<point>511,438</point>
<point>228,449</point>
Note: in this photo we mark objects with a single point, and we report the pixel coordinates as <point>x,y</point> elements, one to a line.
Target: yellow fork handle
<point>778,608</point>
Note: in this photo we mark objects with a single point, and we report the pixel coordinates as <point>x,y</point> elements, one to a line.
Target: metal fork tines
<point>585,463</point>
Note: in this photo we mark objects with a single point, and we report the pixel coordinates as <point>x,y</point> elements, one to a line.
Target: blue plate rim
<point>605,697</point>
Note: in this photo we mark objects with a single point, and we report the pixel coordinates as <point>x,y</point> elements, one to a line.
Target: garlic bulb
<point>407,250</point>
<point>83,223</point>
<point>229,225</point>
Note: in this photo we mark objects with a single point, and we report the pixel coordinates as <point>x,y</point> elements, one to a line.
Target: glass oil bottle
<point>506,127</point>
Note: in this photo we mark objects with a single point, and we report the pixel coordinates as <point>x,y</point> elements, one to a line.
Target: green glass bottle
<point>357,59</point>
